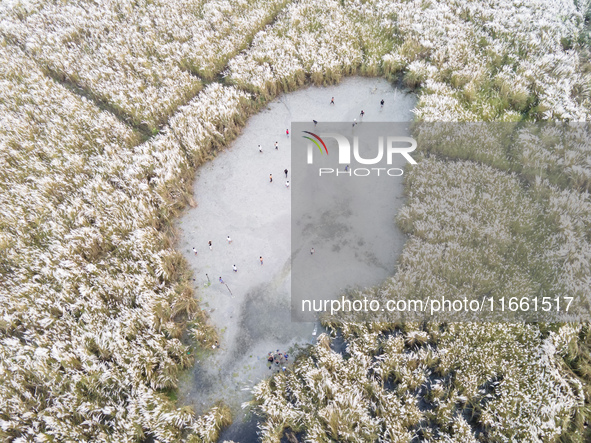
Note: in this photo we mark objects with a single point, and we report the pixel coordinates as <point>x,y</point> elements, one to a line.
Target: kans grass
<point>95,298</point>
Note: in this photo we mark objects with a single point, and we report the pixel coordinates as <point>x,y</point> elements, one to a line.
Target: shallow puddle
<point>236,198</point>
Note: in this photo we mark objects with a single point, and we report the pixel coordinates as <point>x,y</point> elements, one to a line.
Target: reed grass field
<point>108,110</point>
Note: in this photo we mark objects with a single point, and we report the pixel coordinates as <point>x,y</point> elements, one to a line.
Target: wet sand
<point>235,198</point>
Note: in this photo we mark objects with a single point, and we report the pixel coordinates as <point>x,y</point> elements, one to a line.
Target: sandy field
<point>235,198</point>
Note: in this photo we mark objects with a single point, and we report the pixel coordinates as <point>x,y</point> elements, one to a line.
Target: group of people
<point>332,103</point>
<point>234,267</point>
<point>285,171</point>
<point>229,240</point>
<point>278,360</point>
<point>361,114</point>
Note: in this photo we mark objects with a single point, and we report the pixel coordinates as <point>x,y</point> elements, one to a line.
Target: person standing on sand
<point>234,268</point>
<point>229,240</point>
<point>195,251</point>
<point>270,178</point>
<point>332,101</point>
<point>362,113</point>
<point>261,260</point>
<point>287,133</point>
<point>312,251</point>
<point>287,184</point>
<point>210,246</point>
<point>276,146</point>
<point>346,168</point>
<point>382,103</point>
<point>286,171</point>
<point>260,149</point>
<point>221,281</point>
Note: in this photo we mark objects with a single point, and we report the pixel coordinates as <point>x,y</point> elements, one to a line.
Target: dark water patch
<point>263,317</point>
<point>242,431</point>
<point>200,378</point>
<point>338,344</point>
<point>290,436</point>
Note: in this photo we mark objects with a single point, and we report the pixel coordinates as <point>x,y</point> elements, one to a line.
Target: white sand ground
<point>234,197</point>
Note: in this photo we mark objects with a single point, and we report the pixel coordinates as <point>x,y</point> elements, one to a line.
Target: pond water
<point>235,198</point>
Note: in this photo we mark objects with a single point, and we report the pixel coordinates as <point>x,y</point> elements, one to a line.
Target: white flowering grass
<point>310,40</point>
<point>480,60</point>
<point>493,210</point>
<point>461,382</point>
<point>94,297</point>
<point>557,152</point>
<point>143,59</point>
<point>493,60</point>
<point>474,232</point>
<point>550,164</point>
<point>481,222</point>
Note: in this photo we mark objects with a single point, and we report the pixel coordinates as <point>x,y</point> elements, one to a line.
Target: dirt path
<point>236,198</point>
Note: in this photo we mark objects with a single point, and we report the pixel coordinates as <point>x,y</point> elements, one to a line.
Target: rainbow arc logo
<point>314,141</point>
